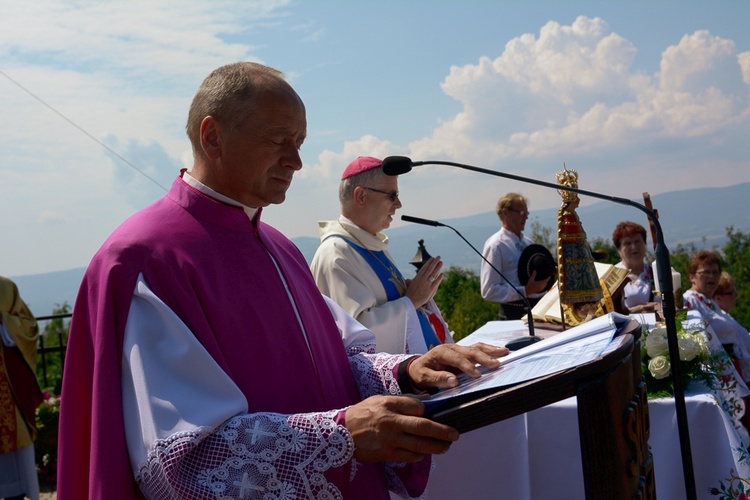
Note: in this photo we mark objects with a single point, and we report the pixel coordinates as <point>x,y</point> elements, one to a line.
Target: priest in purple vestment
<point>204,363</point>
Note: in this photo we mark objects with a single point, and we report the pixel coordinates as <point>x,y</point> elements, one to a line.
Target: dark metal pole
<point>664,270</point>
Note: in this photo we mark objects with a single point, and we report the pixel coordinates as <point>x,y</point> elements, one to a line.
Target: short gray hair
<point>366,178</point>
<point>507,202</point>
<point>230,94</point>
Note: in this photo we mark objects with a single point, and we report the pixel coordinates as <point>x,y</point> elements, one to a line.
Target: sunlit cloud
<point>573,89</point>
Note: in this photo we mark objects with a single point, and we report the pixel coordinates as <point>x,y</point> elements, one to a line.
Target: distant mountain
<point>43,293</point>
<point>685,216</point>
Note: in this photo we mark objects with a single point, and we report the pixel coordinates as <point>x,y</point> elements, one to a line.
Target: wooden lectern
<point>612,417</point>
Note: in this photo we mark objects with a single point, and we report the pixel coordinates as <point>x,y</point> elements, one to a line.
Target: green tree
<point>49,367</point>
<point>544,236</point>
<point>49,372</point>
<point>461,302</point>
<point>736,255</point>
<point>605,246</point>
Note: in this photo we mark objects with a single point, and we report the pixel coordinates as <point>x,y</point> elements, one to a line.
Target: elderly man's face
<point>515,216</point>
<point>259,159</point>
<point>379,198</point>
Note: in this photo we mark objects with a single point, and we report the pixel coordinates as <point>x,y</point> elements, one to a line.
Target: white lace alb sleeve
<point>188,431</point>
<point>374,373</point>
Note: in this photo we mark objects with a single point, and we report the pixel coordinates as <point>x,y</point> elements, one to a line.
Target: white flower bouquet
<point>696,360</point>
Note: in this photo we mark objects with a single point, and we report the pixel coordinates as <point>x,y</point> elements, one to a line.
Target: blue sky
<point>637,96</point>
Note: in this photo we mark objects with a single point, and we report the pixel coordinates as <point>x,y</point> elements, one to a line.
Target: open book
<point>612,279</point>
<point>568,349</point>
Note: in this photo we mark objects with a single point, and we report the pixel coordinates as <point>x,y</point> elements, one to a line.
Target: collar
<point>192,181</point>
<point>518,237</point>
<point>372,241</point>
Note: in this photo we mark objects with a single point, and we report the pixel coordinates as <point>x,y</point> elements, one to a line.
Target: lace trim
<point>263,455</point>
<point>374,373</point>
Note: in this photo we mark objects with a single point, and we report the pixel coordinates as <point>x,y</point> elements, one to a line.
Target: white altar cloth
<point>537,455</point>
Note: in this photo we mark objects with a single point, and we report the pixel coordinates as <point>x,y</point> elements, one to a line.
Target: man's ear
<point>210,136</point>
<point>359,195</point>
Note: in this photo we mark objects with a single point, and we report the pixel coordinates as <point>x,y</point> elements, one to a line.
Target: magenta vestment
<point>210,264</point>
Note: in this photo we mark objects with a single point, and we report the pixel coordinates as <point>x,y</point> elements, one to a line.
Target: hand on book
<point>437,368</point>
<point>394,428</point>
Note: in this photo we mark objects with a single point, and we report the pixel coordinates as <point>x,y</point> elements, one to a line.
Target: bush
<point>45,446</point>
<point>461,303</point>
<point>49,367</point>
<point>49,373</point>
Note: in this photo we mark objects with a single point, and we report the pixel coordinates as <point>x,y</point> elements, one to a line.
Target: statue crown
<point>568,178</point>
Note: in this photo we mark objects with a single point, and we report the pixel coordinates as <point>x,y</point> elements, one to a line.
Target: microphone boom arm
<point>409,218</point>
<point>402,164</point>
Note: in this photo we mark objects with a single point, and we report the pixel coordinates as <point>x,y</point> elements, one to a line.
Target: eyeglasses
<point>635,242</point>
<point>733,293</point>
<point>393,196</point>
<point>522,213</point>
<point>703,272</point>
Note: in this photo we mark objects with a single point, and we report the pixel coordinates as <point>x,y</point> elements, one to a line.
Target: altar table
<point>537,455</point>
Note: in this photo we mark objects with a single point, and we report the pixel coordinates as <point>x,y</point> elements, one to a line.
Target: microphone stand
<point>396,165</point>
<point>514,344</point>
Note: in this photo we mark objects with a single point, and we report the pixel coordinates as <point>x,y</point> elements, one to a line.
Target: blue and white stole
<point>390,277</point>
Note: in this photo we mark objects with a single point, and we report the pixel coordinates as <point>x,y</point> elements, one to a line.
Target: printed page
<point>565,350</point>
<point>546,362</point>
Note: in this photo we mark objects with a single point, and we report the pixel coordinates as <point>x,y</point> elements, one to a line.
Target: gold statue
<point>578,283</point>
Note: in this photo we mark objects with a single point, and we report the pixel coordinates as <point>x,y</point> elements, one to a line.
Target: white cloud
<point>572,95</point>
<point>135,34</point>
<point>330,164</point>
<point>126,71</point>
<point>136,159</point>
<point>123,71</point>
<point>698,62</point>
<point>48,217</point>
<point>573,90</point>
<point>744,61</point>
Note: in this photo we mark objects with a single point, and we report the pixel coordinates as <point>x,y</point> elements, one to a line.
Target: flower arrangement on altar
<point>697,362</point>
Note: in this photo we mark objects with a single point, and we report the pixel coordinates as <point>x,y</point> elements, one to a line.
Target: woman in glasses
<point>705,273</point>
<point>726,293</point>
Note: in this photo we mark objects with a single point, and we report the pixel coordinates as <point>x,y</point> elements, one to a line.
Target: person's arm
<point>188,428</point>
<point>187,424</point>
<point>402,433</point>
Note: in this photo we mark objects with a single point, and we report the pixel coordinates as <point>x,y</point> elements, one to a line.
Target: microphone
<point>397,165</point>
<point>514,344</point>
<point>426,222</point>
